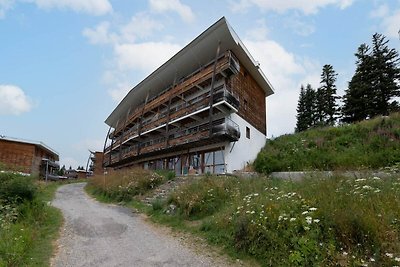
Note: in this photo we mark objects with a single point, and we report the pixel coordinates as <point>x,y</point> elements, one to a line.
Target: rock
<point>171,209</point>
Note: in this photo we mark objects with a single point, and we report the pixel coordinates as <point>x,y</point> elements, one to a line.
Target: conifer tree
<point>386,74</point>
<point>358,98</point>
<point>301,124</point>
<point>326,97</point>
<point>310,106</point>
<point>375,82</point>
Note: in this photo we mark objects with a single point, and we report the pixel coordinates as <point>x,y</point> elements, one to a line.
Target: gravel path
<point>96,234</point>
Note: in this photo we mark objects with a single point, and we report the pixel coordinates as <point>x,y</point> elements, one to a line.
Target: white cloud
<point>13,100</point>
<point>140,26</point>
<point>133,57</point>
<point>145,56</point>
<point>305,6</point>
<point>93,7</point>
<point>99,35</point>
<point>4,6</point>
<point>299,26</point>
<point>184,11</point>
<point>390,21</point>
<point>286,72</point>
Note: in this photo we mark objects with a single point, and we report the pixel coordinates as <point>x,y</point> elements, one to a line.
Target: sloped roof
<point>35,143</point>
<point>194,55</point>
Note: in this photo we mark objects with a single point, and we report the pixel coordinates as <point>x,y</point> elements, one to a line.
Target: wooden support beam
<point>212,86</point>
<point>168,115</point>
<point>141,120</point>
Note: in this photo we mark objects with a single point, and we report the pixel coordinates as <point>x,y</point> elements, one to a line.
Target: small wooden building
<point>30,157</point>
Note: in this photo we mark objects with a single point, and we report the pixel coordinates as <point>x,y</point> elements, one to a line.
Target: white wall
<point>244,150</point>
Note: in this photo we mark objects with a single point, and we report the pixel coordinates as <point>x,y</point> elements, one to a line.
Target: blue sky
<point>65,64</point>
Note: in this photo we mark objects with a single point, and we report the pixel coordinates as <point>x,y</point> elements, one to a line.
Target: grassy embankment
<point>371,144</point>
<point>28,225</point>
<point>315,222</point>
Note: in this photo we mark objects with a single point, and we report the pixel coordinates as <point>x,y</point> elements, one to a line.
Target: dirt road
<point>96,234</point>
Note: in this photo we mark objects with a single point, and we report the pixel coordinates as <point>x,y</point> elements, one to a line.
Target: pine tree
<point>375,82</point>
<point>310,103</point>
<point>326,97</point>
<point>386,74</point>
<point>358,98</point>
<point>301,124</point>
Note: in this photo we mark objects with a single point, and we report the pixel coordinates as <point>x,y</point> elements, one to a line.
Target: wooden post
<point>105,143</point>
<point>141,120</point>
<point>168,115</point>
<point>212,86</point>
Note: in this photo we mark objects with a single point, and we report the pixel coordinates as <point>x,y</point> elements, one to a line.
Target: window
<point>245,104</point>
<point>248,132</point>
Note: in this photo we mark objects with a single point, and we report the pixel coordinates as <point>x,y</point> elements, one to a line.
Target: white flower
<point>376,178</point>
<point>308,219</point>
<point>312,209</point>
<point>371,259</point>
<point>292,219</point>
<point>397,259</point>
<point>304,212</point>
<point>345,253</point>
<point>389,255</point>
<point>306,228</point>
<point>316,220</point>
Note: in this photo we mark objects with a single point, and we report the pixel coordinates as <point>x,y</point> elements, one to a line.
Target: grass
<point>122,186</point>
<point>316,222</point>
<point>371,144</point>
<point>28,225</point>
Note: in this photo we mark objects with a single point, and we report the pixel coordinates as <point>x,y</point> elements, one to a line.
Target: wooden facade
<point>186,125</point>
<point>25,156</point>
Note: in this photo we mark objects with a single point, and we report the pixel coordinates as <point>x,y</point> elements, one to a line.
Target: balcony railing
<point>194,105</point>
<point>227,64</point>
<point>221,130</point>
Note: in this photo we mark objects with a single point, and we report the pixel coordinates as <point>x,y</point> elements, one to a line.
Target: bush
<point>15,187</point>
<point>203,197</point>
<point>125,184</point>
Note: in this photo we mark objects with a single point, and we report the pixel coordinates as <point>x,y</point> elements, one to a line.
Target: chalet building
<point>96,163</point>
<point>29,157</point>
<point>202,111</point>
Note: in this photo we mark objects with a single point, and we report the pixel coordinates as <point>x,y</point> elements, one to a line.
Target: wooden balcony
<point>221,130</point>
<point>227,64</point>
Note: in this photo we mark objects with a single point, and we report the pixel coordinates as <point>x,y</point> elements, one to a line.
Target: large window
<point>214,162</point>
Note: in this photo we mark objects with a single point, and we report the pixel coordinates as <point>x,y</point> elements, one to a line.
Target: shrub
<point>125,184</point>
<point>15,187</point>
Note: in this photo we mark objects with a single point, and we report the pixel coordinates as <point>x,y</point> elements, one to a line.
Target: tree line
<point>370,92</point>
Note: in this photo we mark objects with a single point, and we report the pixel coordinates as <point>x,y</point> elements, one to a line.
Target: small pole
<point>47,168</point>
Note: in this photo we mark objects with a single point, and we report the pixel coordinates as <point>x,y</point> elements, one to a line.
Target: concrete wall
<point>244,150</point>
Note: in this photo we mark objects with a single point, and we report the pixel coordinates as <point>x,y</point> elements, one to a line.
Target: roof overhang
<point>194,55</point>
<point>41,145</point>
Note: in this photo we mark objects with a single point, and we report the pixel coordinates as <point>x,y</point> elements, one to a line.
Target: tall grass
<point>316,222</point>
<point>123,185</point>
<point>366,145</point>
<point>28,225</point>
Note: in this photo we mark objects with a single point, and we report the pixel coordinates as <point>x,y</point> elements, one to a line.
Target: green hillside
<point>371,144</point>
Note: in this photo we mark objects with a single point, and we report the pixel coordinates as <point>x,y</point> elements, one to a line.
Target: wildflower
<point>255,194</point>
<point>397,259</point>
<point>371,259</point>
<point>313,209</point>
<point>360,180</point>
<point>389,255</point>
<point>306,228</point>
<point>308,219</point>
<point>252,212</point>
<point>304,212</point>
<point>345,253</point>
<point>292,219</point>
<point>376,178</point>
<point>316,220</point>
<point>367,187</point>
